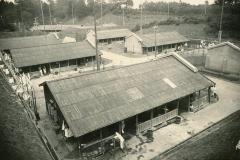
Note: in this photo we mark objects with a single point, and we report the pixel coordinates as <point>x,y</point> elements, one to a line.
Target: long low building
<point>147,43</point>
<point>108,36</point>
<point>223,58</point>
<point>31,41</point>
<point>127,100</point>
<point>52,58</point>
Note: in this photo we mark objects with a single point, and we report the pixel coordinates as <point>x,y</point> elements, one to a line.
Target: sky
<point>194,2</point>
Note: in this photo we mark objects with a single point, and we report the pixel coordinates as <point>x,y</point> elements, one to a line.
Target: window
<point>54,65</point>
<point>34,68</point>
<point>63,63</point>
<point>72,62</point>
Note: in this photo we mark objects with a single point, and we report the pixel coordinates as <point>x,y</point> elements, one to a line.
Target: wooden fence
<point>156,121</point>
<point>200,103</point>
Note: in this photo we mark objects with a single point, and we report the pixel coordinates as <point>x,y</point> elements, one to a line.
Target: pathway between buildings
<point>121,60</point>
<point>171,135</point>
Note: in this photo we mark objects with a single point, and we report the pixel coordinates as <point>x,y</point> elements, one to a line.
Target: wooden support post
<point>189,102</point>
<point>101,138</point>
<point>165,109</point>
<point>151,117</point>
<point>50,68</point>
<point>93,64</point>
<point>152,114</point>
<point>178,103</point>
<point>137,124</point>
<point>101,135</point>
<point>80,147</point>
<point>120,127</point>
<point>209,94</point>
<point>59,66</point>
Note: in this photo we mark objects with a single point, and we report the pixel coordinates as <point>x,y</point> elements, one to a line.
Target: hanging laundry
<point>120,138</point>
<point>123,126</point>
<point>68,133</point>
<point>63,126</point>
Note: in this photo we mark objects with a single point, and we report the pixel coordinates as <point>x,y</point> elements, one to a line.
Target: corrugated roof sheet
<point>163,38</point>
<point>92,101</point>
<point>51,53</point>
<point>31,41</point>
<point>113,33</point>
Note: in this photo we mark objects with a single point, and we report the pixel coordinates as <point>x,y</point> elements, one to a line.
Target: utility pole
<point>205,8</point>
<point>220,28</point>
<point>96,42</point>
<point>123,15</point>
<point>42,15</point>
<point>50,15</point>
<point>101,12</point>
<point>21,16</point>
<point>141,29</point>
<point>168,10</point>
<point>155,35</point>
<point>72,14</point>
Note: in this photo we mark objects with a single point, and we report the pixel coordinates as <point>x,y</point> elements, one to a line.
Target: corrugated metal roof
<point>51,53</point>
<point>31,41</point>
<point>112,33</point>
<point>163,38</point>
<point>92,101</point>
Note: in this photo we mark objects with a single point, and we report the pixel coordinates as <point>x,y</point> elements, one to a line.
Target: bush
<point>136,28</point>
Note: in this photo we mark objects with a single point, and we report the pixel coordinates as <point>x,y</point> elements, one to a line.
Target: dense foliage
<point>22,13</point>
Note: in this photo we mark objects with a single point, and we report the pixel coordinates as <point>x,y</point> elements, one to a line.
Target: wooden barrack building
<point>145,44</point>
<point>108,36</point>
<point>7,44</point>
<point>52,58</point>
<point>140,96</point>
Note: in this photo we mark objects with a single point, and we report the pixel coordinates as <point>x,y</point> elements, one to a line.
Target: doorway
<point>184,104</point>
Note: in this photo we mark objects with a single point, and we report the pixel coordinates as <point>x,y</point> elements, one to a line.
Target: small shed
<point>147,43</point>
<point>223,58</point>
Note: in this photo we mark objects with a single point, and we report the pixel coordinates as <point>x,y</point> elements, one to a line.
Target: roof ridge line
<point>96,72</point>
<point>225,43</point>
<point>185,62</point>
<point>50,45</point>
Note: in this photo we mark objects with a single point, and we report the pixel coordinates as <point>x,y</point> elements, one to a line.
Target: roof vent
<point>169,82</point>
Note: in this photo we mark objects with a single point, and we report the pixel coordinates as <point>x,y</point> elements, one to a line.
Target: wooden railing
<point>97,142</point>
<point>156,121</point>
<point>98,147</point>
<point>199,103</point>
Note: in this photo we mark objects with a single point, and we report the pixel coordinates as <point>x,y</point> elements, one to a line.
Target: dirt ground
<point>216,143</point>
<point>18,137</point>
<point>171,135</point>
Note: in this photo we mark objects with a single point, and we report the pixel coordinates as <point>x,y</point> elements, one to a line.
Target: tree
<point>232,2</point>
<point>129,3</point>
